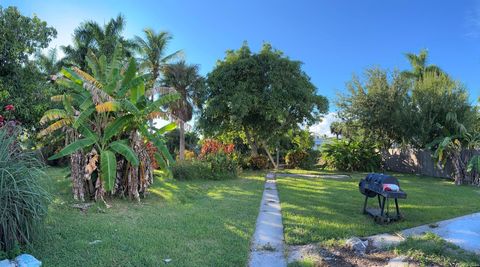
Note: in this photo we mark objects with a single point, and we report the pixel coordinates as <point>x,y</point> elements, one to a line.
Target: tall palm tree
<point>83,41</point>
<point>186,80</point>
<point>152,50</point>
<point>48,63</point>
<point>102,40</point>
<point>420,67</point>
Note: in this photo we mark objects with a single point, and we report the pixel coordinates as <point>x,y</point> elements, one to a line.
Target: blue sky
<point>334,39</point>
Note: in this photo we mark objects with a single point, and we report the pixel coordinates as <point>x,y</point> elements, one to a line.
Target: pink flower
<point>1,118</point>
<point>9,107</point>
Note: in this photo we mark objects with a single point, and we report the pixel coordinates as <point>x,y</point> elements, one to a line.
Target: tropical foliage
<point>105,118</point>
<point>351,155</point>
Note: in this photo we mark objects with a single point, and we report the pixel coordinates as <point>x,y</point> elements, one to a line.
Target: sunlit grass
<point>319,209</point>
<point>194,223</point>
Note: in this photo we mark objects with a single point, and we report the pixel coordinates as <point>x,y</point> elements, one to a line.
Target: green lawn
<point>194,223</point>
<point>318,209</point>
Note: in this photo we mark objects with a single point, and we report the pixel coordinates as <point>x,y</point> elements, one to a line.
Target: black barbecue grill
<point>384,187</point>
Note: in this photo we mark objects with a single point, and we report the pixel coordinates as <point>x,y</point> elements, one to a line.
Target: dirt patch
<point>338,256</point>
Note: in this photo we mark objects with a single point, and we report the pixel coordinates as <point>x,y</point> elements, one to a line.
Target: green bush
<point>302,159</point>
<point>351,155</point>
<point>191,170</point>
<point>259,162</point>
<point>217,166</point>
<point>23,202</point>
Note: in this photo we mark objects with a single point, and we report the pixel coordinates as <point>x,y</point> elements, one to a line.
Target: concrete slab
<point>268,243</point>
<point>462,231</point>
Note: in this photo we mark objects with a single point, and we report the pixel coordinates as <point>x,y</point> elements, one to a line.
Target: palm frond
<point>55,126</point>
<point>53,114</point>
<point>107,107</point>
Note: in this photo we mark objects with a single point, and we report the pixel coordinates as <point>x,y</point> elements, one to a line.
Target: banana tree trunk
<point>77,162</point>
<point>181,153</point>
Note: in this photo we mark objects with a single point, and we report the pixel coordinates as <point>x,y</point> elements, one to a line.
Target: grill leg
<point>365,205</point>
<point>398,210</point>
<point>379,202</point>
<point>382,207</point>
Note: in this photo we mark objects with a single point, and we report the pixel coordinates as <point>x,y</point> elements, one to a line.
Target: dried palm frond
<point>55,126</point>
<point>98,95</point>
<point>59,98</point>
<point>87,77</point>
<point>107,107</point>
<point>91,166</point>
<point>53,114</point>
<point>157,115</point>
<point>160,90</point>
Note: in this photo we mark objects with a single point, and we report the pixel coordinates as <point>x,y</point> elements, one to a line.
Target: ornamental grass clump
<point>23,202</point>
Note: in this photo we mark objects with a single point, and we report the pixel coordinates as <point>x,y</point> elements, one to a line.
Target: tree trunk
<point>252,143</point>
<point>457,168</point>
<point>132,173</point>
<point>269,155</point>
<point>181,153</point>
<point>77,162</point>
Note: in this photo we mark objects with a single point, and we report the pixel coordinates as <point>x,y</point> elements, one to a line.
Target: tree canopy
<point>259,95</point>
<point>22,84</point>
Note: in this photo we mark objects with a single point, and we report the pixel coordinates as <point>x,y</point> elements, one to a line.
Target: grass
<point>430,249</point>
<point>194,223</point>
<point>319,209</point>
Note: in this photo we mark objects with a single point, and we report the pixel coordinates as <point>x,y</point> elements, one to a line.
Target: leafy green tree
<point>260,96</point>
<point>21,82</point>
<point>380,107</point>
<point>187,82</point>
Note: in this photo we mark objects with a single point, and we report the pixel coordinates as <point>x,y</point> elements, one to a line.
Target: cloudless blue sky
<point>334,39</point>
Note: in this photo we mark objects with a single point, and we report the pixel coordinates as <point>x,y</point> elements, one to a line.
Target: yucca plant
<point>111,113</point>
<point>23,202</point>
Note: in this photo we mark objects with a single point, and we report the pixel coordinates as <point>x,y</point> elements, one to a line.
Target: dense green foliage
<point>404,108</point>
<point>258,162</point>
<point>351,155</point>
<point>23,202</point>
<point>259,96</point>
<point>303,159</point>
<point>22,83</point>
<point>173,141</point>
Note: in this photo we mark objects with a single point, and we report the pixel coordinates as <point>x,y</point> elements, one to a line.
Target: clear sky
<point>334,39</point>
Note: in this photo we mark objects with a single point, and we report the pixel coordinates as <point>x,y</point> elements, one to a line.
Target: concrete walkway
<point>268,244</point>
<point>462,231</point>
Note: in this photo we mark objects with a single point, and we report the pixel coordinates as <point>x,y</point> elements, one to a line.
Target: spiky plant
<point>23,202</point>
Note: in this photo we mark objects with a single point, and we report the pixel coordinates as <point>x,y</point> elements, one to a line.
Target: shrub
<point>259,162</point>
<point>213,167</point>
<point>351,155</point>
<point>23,202</point>
<point>191,170</point>
<point>189,155</point>
<point>302,159</point>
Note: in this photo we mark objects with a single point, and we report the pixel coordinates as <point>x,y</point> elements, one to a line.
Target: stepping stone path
<point>268,243</point>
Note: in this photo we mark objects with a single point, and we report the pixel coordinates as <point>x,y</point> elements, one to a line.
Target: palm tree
<point>48,63</point>
<point>420,67</point>
<point>102,40</point>
<point>152,50</point>
<point>83,41</point>
<point>186,80</point>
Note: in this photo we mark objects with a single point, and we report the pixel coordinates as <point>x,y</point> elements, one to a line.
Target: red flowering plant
<point>220,157</point>
<point>7,118</point>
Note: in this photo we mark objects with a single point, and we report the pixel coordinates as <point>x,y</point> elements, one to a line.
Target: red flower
<point>9,107</point>
<point>1,118</point>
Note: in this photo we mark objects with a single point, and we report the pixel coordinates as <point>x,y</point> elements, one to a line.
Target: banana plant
<point>111,106</point>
